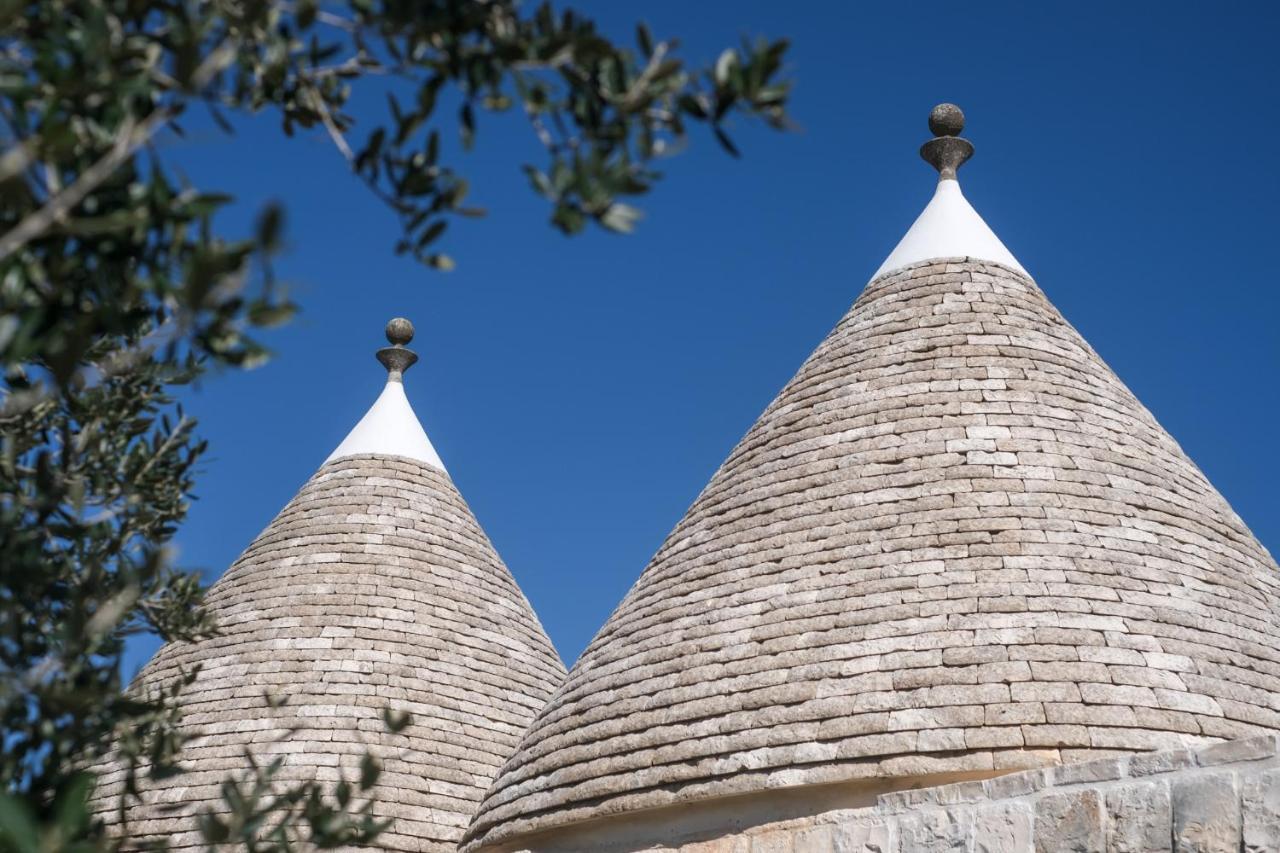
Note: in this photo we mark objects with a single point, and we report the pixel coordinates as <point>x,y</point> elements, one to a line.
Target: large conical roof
<point>955,543</point>
<point>375,588</point>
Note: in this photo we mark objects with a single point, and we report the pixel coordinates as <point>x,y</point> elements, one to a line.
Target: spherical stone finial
<point>946,120</point>
<point>399,331</point>
<point>395,358</point>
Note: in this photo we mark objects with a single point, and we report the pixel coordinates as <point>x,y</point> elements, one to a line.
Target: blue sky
<point>583,390</point>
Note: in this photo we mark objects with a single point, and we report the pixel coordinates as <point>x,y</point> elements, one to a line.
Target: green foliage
<point>267,815</point>
<point>116,290</point>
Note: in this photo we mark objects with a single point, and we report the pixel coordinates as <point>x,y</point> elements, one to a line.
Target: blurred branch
<point>131,136</point>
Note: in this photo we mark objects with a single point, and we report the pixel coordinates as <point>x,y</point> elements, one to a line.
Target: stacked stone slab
<point>374,589</point>
<point>954,545</point>
<point>1223,798</point>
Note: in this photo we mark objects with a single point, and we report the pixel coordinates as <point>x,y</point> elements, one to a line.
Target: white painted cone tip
<point>948,227</point>
<point>390,428</point>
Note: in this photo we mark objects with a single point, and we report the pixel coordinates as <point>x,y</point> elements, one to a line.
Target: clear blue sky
<point>582,391</point>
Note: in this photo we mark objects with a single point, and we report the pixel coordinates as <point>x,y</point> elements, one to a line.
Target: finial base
<point>396,360</point>
<point>946,154</point>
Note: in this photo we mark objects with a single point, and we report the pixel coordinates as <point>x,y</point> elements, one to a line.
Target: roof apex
<point>948,227</point>
<point>390,428</point>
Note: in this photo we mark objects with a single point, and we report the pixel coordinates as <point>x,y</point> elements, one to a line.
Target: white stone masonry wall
<point>1221,799</point>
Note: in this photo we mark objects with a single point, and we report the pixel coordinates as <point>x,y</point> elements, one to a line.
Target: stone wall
<point>1220,799</point>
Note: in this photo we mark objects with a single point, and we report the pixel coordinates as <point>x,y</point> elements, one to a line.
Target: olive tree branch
<point>131,136</point>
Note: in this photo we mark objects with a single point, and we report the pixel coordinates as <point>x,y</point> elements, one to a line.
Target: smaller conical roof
<point>374,589</point>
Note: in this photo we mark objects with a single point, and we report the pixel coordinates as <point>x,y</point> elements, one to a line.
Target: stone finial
<point>399,331</point>
<point>396,358</point>
<point>946,152</point>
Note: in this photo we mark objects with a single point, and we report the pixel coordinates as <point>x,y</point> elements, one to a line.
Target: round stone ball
<point>399,331</point>
<point>946,120</point>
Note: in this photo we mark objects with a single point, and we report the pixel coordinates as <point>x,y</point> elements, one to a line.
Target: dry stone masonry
<point>955,543</point>
<point>373,589</point>
<point>1221,799</point>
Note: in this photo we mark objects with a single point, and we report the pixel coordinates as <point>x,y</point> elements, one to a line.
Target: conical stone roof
<point>374,588</point>
<point>955,543</point>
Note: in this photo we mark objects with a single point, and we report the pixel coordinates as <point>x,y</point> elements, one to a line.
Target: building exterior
<point>956,589</point>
